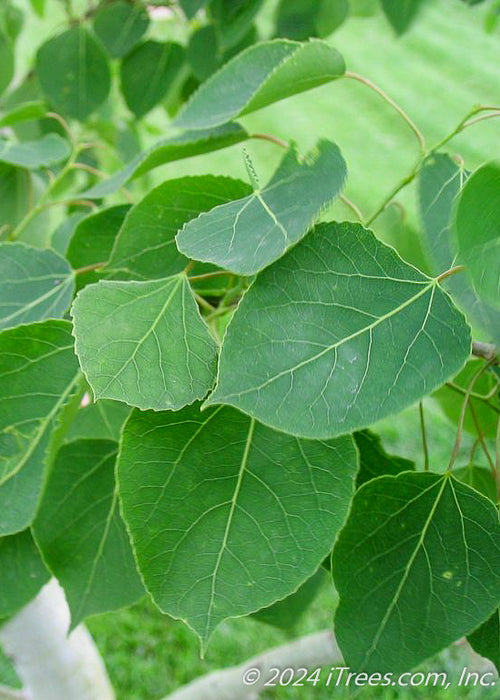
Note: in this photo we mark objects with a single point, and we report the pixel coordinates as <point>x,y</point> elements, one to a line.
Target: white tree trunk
<point>51,664</point>
<point>315,650</point>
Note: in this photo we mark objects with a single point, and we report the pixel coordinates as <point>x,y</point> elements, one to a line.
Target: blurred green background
<point>437,72</point>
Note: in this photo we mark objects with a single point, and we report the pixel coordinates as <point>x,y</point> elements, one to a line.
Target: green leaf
<point>81,534</point>
<point>401,13</point>
<point>46,151</point>
<point>144,343</point>
<point>478,478</point>
<point>226,515</point>
<point>287,613</point>
<point>440,182</point>
<point>59,240</point>
<point>260,75</point>
<point>6,62</point>
<point>35,284</point>
<point>486,639</point>
<point>93,240</point>
<point>191,7</point>
<point>338,334</point>
<point>478,231</point>
<point>416,572</point>
<point>23,572</point>
<point>38,372</point>
<point>374,461</point>
<point>28,111</point>
<point>73,72</point>
<point>248,234</point>
<point>186,145</point>
<point>486,411</point>
<point>148,72</point>
<point>101,420</point>
<point>145,247</point>
<point>120,26</point>
<point>11,20</point>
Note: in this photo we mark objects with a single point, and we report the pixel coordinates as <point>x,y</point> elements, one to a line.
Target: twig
<point>204,303</point>
<point>482,442</point>
<point>450,272</point>
<point>393,104</point>
<point>488,351</point>
<point>271,138</point>
<point>424,436</point>
<point>208,275</point>
<point>89,268</point>
<point>352,207</point>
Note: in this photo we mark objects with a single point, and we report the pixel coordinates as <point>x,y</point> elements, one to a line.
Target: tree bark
<point>51,664</point>
<point>309,652</point>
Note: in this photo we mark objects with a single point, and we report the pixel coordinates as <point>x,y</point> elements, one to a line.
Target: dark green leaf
<point>61,237</point>
<point>15,188</point>
<point>145,247</point>
<point>486,639</point>
<point>228,516</point>
<point>477,226</point>
<point>416,567</point>
<point>260,75</point>
<point>440,182</point>
<point>81,533</point>
<point>73,72</point>
<point>101,420</point>
<point>48,150</point>
<point>301,19</point>
<point>186,145</point>
<point>93,240</point>
<point>374,461</point>
<point>38,6</point>
<point>144,343</point>
<point>203,52</point>
<point>248,234</point>
<point>286,614</point>
<point>233,19</point>
<point>35,284</point>
<point>191,7</point>
<point>23,572</point>
<point>338,334</point>
<point>38,372</point>
<point>148,73</point>
<point>401,13</point>
<point>120,25</point>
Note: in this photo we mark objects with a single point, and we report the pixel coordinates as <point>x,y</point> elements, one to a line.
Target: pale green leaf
<point>38,6</point>
<point>374,461</point>
<point>262,74</point>
<point>148,72</point>
<point>145,247</point>
<point>81,534</point>
<point>248,234</point>
<point>480,478</point>
<point>144,343</point>
<point>48,150</point>
<point>477,226</point>
<point>35,284</point>
<point>486,410</point>
<point>120,25</point>
<point>185,145</point>
<point>226,515</point>
<point>38,372</point>
<point>73,72</point>
<point>440,182</point>
<point>27,111</point>
<point>338,334</point>
<point>416,567</point>
<point>23,572</point>
<point>60,238</point>
<point>486,639</point>
<point>100,420</point>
